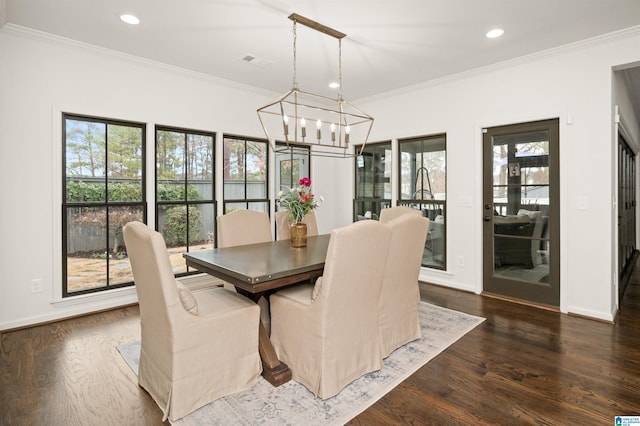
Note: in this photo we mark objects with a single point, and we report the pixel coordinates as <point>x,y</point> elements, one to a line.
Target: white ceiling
<point>389,44</point>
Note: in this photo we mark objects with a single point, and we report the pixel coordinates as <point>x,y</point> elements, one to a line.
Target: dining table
<point>256,270</point>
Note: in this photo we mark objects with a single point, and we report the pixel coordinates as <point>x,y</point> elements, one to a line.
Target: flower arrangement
<point>298,201</point>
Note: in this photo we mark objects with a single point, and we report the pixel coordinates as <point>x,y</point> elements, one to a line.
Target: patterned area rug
<point>293,404</point>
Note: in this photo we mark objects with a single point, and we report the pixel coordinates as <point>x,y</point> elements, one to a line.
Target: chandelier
<point>327,125</point>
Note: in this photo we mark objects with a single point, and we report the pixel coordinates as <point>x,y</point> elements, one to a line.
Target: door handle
<point>487,218</point>
<point>487,206</point>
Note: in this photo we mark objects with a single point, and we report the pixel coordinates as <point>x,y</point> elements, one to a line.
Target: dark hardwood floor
<point>523,365</point>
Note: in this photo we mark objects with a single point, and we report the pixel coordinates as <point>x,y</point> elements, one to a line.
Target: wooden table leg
<point>274,371</point>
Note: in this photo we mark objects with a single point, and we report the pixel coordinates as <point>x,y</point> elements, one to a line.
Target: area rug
<point>293,404</point>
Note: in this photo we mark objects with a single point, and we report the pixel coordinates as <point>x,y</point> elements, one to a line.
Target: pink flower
<point>298,201</point>
<point>305,181</point>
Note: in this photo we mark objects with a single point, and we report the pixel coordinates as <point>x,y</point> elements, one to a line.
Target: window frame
<point>185,201</point>
<point>433,139</point>
<point>291,150</point>
<point>106,203</point>
<point>381,203</point>
<point>246,201</point>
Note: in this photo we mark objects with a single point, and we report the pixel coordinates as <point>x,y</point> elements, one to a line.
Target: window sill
<point>437,272</point>
<point>128,293</point>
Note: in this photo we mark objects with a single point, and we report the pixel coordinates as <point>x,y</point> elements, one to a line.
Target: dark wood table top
<point>257,268</point>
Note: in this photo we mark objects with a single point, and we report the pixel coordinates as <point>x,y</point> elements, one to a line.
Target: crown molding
<point>41,36</point>
<point>530,58</point>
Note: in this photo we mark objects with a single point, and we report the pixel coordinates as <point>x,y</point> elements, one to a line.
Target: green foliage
<point>174,192</point>
<point>105,255</point>
<point>175,224</point>
<point>125,151</point>
<point>125,192</point>
<point>83,192</point>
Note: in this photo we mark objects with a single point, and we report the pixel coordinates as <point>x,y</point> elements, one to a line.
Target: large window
<point>103,189</point>
<point>423,185</point>
<point>245,174</point>
<point>373,180</point>
<point>291,165</point>
<point>185,202</point>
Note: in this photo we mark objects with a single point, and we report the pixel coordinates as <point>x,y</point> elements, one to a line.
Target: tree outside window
<point>245,174</point>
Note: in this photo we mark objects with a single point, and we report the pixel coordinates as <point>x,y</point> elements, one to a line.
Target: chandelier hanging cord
<point>295,53</point>
<point>340,69</point>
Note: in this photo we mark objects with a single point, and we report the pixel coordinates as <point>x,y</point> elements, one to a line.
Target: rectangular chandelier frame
<point>327,125</point>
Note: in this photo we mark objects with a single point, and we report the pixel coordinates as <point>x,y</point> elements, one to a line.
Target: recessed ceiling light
<point>130,19</point>
<point>334,85</point>
<point>494,33</point>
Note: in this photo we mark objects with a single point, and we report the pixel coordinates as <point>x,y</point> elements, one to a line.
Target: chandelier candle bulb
<point>318,125</point>
<point>285,119</point>
<point>303,127</point>
<point>333,132</point>
<point>347,130</point>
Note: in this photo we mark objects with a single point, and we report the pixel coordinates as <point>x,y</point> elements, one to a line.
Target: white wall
<point>332,179</point>
<point>573,84</point>
<point>41,77</point>
<point>3,12</point>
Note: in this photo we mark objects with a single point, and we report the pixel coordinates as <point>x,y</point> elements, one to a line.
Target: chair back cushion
<point>153,274</point>
<point>387,215</point>
<point>328,332</point>
<point>242,227</point>
<point>348,302</point>
<point>283,231</point>
<point>400,294</point>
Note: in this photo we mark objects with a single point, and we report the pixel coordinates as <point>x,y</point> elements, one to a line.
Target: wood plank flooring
<point>523,365</point>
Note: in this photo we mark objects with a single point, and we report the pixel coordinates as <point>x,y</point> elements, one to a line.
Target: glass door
<point>520,212</point>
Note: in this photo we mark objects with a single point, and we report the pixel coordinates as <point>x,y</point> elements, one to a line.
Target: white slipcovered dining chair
<point>387,215</point>
<point>283,232</point>
<point>242,227</point>
<point>400,296</point>
<point>196,347</point>
<point>328,333</point>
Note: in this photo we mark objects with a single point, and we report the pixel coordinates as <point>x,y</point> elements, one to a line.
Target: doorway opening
<point>626,213</point>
